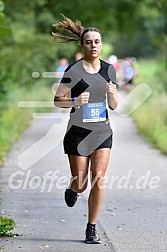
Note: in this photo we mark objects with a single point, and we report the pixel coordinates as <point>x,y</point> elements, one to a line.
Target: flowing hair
<point>69,26</point>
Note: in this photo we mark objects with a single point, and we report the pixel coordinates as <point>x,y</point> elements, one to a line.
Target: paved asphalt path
<point>134,213</point>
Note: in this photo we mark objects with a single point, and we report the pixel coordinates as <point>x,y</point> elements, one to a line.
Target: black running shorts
<point>82,142</point>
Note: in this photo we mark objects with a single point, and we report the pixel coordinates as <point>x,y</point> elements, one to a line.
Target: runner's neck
<point>91,66</point>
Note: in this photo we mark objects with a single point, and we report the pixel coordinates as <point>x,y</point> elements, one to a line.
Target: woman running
<point>87,87</point>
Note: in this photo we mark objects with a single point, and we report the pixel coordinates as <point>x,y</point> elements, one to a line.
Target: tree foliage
<point>130,28</point>
<point>4,30</point>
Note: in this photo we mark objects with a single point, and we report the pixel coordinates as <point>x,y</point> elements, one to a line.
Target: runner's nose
<point>93,44</point>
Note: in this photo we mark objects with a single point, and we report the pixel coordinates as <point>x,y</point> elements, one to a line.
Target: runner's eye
<point>88,42</point>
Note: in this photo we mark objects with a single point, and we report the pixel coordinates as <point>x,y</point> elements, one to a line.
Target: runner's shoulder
<point>72,64</point>
<point>106,64</point>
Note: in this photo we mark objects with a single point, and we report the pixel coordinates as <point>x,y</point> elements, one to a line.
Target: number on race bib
<point>94,112</point>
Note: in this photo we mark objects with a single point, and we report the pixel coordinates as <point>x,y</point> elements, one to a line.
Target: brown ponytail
<point>72,27</point>
<point>69,26</point>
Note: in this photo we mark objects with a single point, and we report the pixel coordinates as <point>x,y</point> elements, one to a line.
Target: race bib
<point>94,112</point>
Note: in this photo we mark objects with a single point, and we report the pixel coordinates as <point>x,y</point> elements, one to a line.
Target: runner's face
<point>92,44</point>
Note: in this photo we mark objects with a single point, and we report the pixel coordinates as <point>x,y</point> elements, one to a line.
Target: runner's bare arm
<point>63,98</point>
<point>112,95</point>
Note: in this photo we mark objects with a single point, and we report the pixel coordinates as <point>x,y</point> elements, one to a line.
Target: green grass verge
<point>14,120</point>
<point>151,116</point>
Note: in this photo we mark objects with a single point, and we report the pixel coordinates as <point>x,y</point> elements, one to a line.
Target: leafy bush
<point>6,225</point>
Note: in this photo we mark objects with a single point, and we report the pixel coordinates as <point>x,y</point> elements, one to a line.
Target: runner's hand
<point>111,88</point>
<point>83,98</point>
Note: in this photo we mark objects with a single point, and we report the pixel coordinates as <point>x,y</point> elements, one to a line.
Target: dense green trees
<point>141,24</point>
<point>4,30</point>
<point>130,27</point>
